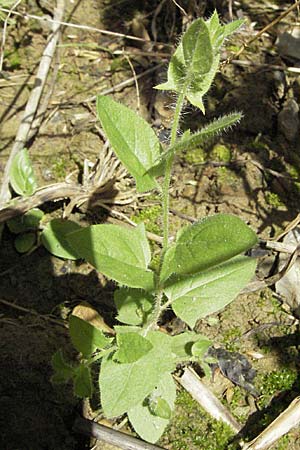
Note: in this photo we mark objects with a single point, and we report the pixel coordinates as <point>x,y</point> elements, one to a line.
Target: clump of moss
<point>229,338</point>
<point>59,169</point>
<point>195,156</point>
<point>294,173</point>
<point>276,382</point>
<point>221,153</point>
<point>119,63</point>
<point>227,176</point>
<point>191,428</point>
<point>149,216</point>
<point>282,444</point>
<point>12,59</point>
<point>273,199</point>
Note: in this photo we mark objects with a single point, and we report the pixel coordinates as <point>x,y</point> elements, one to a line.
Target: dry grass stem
<point>111,436</point>
<point>33,101</point>
<point>286,421</point>
<point>194,386</point>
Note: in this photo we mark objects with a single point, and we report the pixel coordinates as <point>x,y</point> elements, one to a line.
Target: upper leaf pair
<point>195,62</point>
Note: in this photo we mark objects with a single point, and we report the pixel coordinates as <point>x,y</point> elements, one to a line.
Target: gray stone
<point>288,120</point>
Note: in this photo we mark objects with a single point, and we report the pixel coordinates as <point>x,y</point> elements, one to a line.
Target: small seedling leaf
<point>62,370</point>
<point>85,337</point>
<point>25,242</point>
<point>133,305</point>
<point>54,238</point>
<point>131,347</point>
<point>28,221</point>
<point>160,407</point>
<point>133,382</point>
<point>132,139</point>
<point>151,416</point>
<point>199,295</point>
<point>200,348</point>
<point>21,175</point>
<point>120,253</point>
<point>210,242</point>
<point>183,343</point>
<point>83,386</point>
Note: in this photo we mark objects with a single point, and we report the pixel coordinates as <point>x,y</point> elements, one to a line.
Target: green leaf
<point>199,295</point>
<point>193,141</point>
<point>83,387</point>
<point>232,27</point>
<point>176,72</point>
<point>25,242</point>
<point>196,59</point>
<point>123,386</point>
<point>85,337</point>
<point>132,139</point>
<point>193,65</point>
<point>211,241</point>
<point>200,348</point>
<point>29,221</point>
<point>151,416</point>
<point>54,238</point>
<point>21,175</point>
<point>120,253</point>
<point>197,49</point>
<point>183,343</point>
<point>200,86</point>
<point>131,347</point>
<point>216,31</point>
<point>62,370</point>
<point>169,264</point>
<point>133,305</point>
<point>160,407</point>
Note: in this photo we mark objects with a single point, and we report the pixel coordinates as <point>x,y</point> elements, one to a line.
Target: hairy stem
<point>168,172</point>
<point>158,309</point>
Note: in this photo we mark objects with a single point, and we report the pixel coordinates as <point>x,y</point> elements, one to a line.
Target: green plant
<point>6,4</point>
<point>198,274</point>
<point>23,182</point>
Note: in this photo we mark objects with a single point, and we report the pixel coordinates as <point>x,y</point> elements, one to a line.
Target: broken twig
<point>194,386</point>
<point>111,436</point>
<point>288,419</point>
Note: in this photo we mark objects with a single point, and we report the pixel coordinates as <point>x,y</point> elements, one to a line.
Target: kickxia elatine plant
<point>199,273</point>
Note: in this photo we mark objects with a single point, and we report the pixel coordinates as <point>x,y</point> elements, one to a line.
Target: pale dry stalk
<point>33,101</point>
